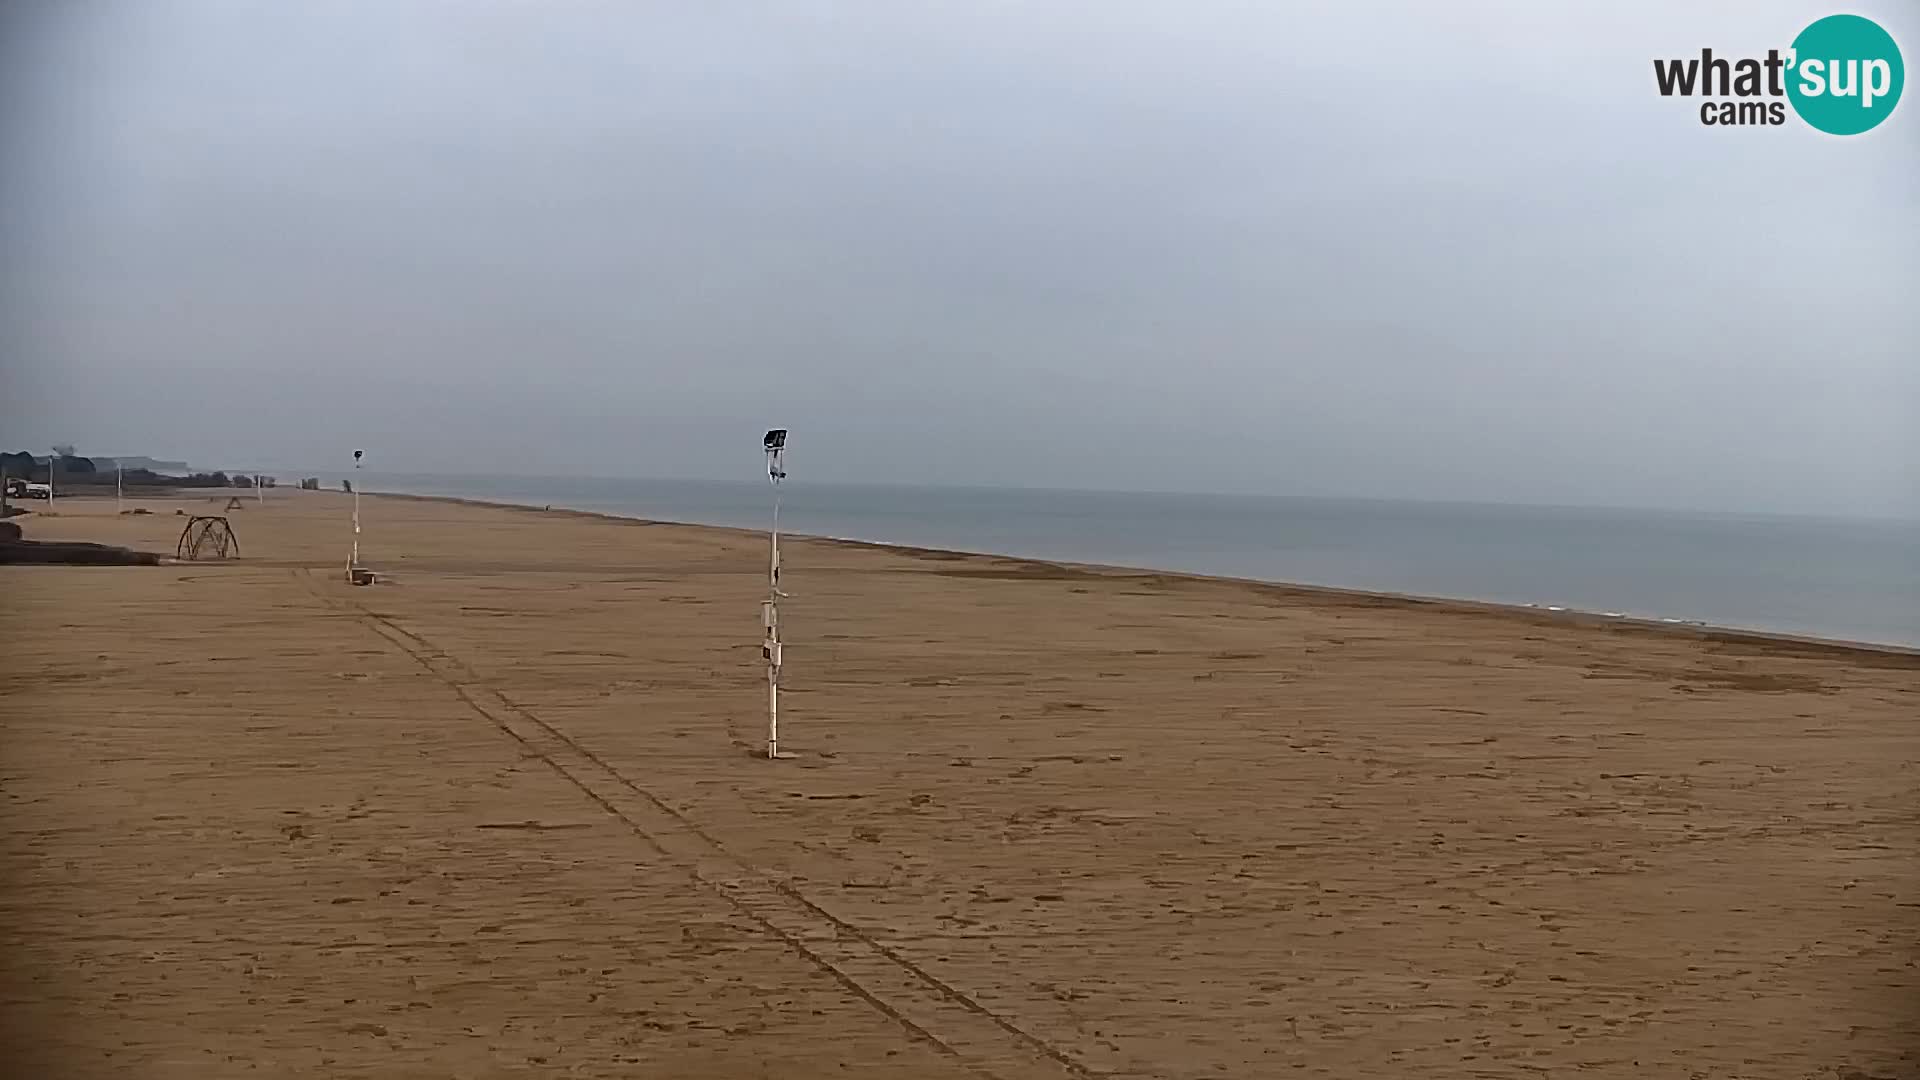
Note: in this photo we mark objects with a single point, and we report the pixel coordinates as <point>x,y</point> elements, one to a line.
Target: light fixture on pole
<point>775,445</point>
<point>355,573</point>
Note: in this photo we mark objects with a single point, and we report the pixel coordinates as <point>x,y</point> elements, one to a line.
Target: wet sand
<point>503,816</point>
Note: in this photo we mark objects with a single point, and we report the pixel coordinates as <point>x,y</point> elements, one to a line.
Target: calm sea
<point>1844,579</point>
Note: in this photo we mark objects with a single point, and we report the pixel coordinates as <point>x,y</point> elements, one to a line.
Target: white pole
<point>119,494</point>
<point>53,463</point>
<point>776,442</point>
<point>773,710</point>
<point>354,559</point>
<point>773,625</point>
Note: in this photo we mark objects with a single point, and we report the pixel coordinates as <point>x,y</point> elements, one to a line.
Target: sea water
<point>1856,580</point>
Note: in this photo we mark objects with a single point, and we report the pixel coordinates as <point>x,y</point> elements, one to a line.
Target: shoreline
<point>1773,642</point>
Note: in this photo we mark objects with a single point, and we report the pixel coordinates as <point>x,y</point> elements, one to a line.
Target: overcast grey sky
<point>1457,250</point>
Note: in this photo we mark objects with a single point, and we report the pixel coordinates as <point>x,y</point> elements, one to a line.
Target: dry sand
<point>502,816</point>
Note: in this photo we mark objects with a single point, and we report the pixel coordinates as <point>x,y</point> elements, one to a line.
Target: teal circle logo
<point>1846,75</point>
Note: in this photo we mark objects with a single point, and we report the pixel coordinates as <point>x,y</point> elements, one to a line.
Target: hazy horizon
<point>1390,250</point>
<point>797,485</point>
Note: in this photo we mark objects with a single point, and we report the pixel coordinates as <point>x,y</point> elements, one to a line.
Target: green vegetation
<point>73,471</point>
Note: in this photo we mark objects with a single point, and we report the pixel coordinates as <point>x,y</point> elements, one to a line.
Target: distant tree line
<point>21,464</point>
<point>76,471</point>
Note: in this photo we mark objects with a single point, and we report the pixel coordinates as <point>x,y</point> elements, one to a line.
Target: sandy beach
<point>502,814</point>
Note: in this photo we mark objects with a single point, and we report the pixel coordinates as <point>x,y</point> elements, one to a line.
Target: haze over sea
<point>1855,580</point>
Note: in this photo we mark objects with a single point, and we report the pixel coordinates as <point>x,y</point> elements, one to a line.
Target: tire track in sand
<point>928,1008</point>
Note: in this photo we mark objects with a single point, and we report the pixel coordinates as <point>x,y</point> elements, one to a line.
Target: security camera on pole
<point>775,445</point>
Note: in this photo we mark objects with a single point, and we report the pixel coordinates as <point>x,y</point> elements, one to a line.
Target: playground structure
<point>205,538</point>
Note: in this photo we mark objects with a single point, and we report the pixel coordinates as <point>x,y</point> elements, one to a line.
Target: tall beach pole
<point>775,445</point>
<point>353,560</point>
